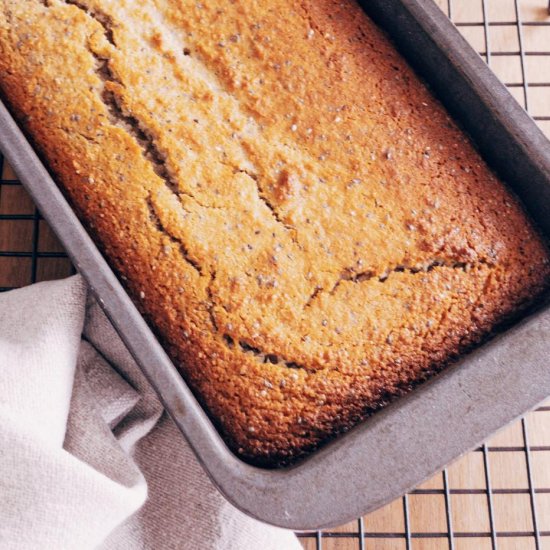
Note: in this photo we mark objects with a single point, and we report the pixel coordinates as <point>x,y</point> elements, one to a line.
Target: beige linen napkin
<point>88,457</point>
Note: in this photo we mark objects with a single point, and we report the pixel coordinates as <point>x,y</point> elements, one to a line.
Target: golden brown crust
<point>300,221</point>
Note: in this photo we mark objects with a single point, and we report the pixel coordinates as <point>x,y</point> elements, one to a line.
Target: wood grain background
<point>495,497</point>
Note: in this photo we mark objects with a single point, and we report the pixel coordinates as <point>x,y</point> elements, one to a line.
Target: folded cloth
<point>88,456</point>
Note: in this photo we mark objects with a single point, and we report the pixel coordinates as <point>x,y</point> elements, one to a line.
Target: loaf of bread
<point>303,226</point>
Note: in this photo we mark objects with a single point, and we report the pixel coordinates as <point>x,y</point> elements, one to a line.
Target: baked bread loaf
<point>304,227</point>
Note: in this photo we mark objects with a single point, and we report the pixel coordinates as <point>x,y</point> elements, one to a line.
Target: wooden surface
<point>486,499</point>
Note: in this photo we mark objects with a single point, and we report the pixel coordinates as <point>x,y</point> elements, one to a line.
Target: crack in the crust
<point>155,220</point>
<point>261,356</point>
<point>102,18</point>
<point>150,151</point>
<point>264,199</point>
<point>210,304</point>
<point>314,294</point>
<point>133,126</point>
<point>359,277</point>
<point>118,115</point>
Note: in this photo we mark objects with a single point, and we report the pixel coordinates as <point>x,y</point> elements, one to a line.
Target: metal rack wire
<point>29,252</point>
<point>461,508</point>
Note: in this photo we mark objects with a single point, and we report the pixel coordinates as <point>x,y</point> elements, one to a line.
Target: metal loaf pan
<point>419,434</point>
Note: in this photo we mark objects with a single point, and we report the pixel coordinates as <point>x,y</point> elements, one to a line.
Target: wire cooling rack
<point>497,496</point>
<point>29,250</point>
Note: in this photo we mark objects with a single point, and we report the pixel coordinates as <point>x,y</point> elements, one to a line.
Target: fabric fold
<point>88,457</point>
